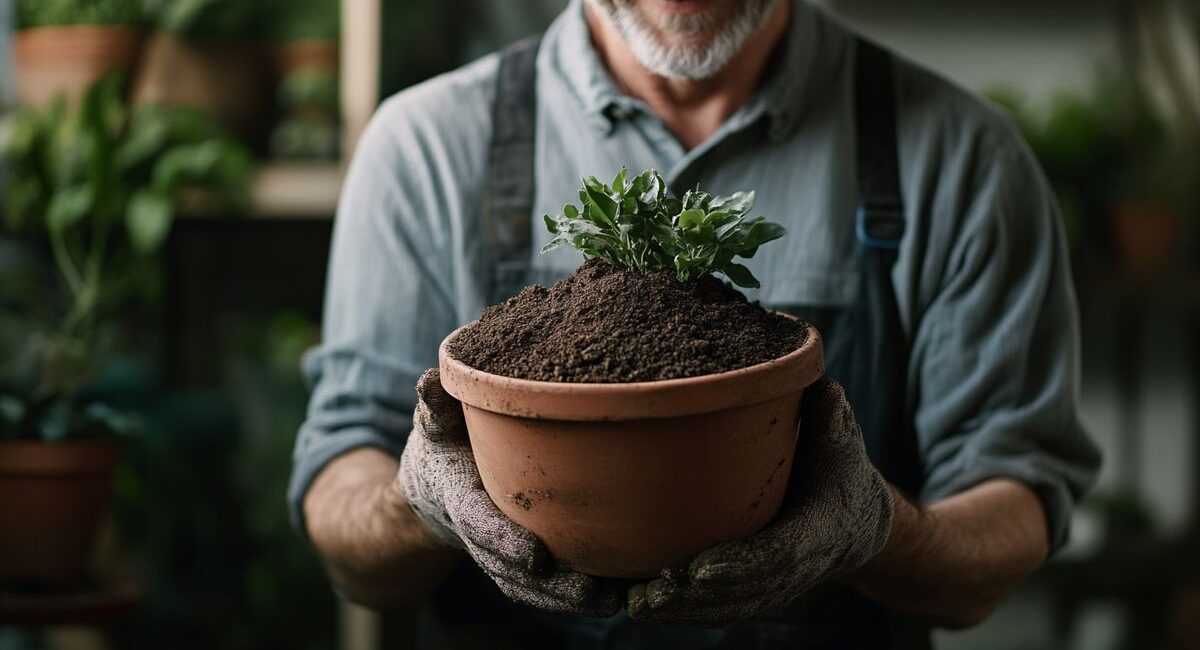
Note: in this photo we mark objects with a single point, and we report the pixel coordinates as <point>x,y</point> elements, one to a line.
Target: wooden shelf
<point>305,191</point>
<point>296,190</point>
<point>101,604</point>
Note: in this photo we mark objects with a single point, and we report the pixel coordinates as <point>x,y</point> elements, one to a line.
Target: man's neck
<point>691,109</point>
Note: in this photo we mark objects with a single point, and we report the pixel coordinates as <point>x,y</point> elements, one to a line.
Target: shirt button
<point>619,112</point>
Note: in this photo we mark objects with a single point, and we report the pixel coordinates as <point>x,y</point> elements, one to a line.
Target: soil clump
<point>608,325</point>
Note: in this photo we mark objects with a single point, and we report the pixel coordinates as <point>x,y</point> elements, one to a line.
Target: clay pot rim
<point>63,31</point>
<point>68,457</point>
<point>58,43</point>
<point>666,398</point>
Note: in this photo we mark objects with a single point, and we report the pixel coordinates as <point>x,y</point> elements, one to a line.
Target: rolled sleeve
<point>357,401</point>
<point>388,302</point>
<point>996,354</point>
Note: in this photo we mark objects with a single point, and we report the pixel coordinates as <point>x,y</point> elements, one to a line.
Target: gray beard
<point>692,61</point>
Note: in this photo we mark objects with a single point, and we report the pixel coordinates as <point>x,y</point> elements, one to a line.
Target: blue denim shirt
<point>982,280</point>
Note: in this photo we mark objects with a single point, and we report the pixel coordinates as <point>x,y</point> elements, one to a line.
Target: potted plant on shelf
<point>206,54</point>
<point>97,186</point>
<point>640,410</point>
<point>306,35</point>
<point>1116,164</point>
<point>63,46</point>
<point>306,54</point>
<point>1155,190</point>
<point>1159,121</point>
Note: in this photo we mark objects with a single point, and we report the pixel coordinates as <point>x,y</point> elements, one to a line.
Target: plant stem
<point>66,266</point>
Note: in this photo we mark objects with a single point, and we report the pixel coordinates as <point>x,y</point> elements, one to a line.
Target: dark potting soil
<point>607,325</point>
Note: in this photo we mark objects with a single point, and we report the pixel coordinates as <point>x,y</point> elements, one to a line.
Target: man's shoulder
<point>967,160</point>
<point>424,152</point>
<point>948,117</point>
<point>450,110</point>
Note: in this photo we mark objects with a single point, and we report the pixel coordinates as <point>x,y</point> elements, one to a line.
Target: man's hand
<point>442,486</point>
<point>836,517</point>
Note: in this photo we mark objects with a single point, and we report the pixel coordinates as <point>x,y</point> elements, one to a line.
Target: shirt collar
<point>574,60</point>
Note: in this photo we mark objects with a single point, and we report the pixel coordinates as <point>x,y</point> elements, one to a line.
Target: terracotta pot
<point>1146,237</point>
<point>624,480</point>
<point>53,499</point>
<point>68,59</point>
<point>306,55</point>
<point>229,81</point>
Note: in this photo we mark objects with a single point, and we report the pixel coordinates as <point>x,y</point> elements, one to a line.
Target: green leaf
<point>22,135</point>
<point>737,203</point>
<point>671,205</point>
<point>148,220</point>
<point>148,134</point>
<point>691,218</point>
<point>740,276</point>
<point>761,232</point>
<point>188,162</point>
<point>618,184</point>
<point>554,243</point>
<point>551,224</point>
<point>12,410</point>
<point>664,234</point>
<point>653,194</point>
<point>603,205</point>
<point>700,235</point>
<point>719,218</point>
<point>55,423</point>
<point>696,199</point>
<point>24,194</point>
<point>730,230</point>
<point>68,207</point>
<point>104,420</point>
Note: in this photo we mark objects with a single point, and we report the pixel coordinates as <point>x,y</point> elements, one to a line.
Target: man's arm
<point>950,564</point>
<point>391,296</point>
<point>376,550</point>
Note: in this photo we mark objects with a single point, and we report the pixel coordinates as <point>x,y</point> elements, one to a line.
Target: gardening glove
<point>442,486</point>
<point>836,516</point>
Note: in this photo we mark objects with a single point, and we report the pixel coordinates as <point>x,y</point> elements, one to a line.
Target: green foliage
<point>1106,147</point>
<point>302,20</point>
<point>100,182</point>
<point>305,138</point>
<point>634,224</point>
<point>309,89</point>
<point>309,130</point>
<point>46,13</point>
<point>207,19</point>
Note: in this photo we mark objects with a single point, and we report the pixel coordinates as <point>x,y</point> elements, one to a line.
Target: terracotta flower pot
<point>53,499</point>
<point>624,480</point>
<point>1146,237</point>
<point>68,59</point>
<point>228,81</point>
<point>313,54</point>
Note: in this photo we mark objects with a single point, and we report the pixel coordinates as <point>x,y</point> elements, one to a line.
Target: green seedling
<point>634,224</point>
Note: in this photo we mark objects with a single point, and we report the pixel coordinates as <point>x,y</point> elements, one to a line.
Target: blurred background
<point>162,263</point>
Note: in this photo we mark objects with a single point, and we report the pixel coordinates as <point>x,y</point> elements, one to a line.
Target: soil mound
<point>608,325</point>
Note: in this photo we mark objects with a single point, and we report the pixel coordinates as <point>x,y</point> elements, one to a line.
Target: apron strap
<point>879,376</point>
<point>880,219</point>
<point>508,197</point>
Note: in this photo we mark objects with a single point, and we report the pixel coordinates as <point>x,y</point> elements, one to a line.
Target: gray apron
<point>866,350</point>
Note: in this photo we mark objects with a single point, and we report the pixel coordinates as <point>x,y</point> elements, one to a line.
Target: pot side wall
<point>629,499</point>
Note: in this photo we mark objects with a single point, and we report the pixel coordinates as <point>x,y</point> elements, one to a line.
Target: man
<point>924,242</point>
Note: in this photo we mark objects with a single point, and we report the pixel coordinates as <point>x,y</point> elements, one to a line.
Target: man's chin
<point>685,7</point>
<point>685,18</point>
